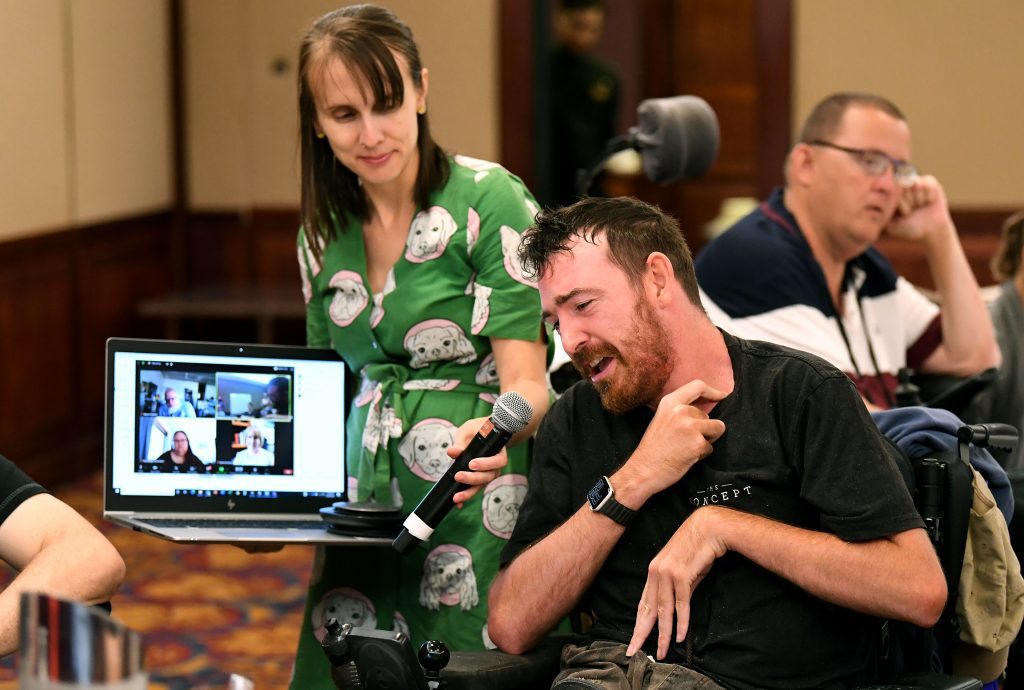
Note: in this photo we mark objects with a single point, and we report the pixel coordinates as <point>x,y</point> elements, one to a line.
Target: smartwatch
<point>602,500</point>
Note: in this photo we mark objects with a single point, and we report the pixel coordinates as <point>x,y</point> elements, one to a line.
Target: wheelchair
<point>908,658</point>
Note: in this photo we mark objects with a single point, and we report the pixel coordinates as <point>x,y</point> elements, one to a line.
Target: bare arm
<point>541,586</point>
<point>546,580</point>
<point>57,552</point>
<point>520,365</point>
<point>896,577</point>
<point>968,338</point>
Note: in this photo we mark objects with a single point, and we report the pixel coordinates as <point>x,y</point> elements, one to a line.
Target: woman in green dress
<point>410,271</point>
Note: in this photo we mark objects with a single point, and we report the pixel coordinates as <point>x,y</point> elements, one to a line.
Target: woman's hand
<point>481,470</point>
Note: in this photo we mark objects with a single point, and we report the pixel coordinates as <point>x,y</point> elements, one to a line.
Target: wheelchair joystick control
<point>907,393</point>
<point>336,646</point>
<point>433,657</point>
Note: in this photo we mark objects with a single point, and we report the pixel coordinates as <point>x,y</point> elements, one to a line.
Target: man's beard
<point>639,378</point>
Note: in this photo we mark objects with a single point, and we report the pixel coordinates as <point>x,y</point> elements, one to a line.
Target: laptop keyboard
<point>234,524</point>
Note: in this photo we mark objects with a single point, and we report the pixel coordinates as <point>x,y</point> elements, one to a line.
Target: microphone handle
<point>438,501</point>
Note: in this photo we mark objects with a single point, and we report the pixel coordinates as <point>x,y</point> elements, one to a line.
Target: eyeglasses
<point>876,163</point>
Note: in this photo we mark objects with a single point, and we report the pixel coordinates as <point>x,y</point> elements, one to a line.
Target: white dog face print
<point>503,497</point>
<point>510,240</point>
<point>350,297</point>
<point>425,448</point>
<point>345,605</point>
<point>481,308</point>
<point>437,340</point>
<point>400,624</point>
<point>487,373</point>
<point>472,229</point>
<point>448,579</point>
<point>481,167</point>
<point>429,235</point>
<point>485,637</point>
<point>307,284</point>
<point>377,311</point>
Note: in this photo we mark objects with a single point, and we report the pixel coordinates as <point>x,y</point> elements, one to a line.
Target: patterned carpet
<point>204,611</point>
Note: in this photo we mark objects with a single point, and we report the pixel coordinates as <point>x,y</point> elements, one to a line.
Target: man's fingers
<point>713,429</point>
<point>666,612</point>
<point>645,618</point>
<point>690,392</point>
<point>682,619</point>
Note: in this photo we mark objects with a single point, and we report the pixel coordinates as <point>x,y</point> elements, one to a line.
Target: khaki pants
<point>603,665</point>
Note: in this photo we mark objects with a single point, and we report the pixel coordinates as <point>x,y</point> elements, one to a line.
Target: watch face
<point>597,493</point>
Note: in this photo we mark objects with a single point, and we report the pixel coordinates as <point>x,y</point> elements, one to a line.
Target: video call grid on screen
<point>246,443</point>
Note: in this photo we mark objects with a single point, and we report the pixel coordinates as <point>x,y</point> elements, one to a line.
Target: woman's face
<point>180,443</point>
<point>255,443</point>
<point>378,146</point>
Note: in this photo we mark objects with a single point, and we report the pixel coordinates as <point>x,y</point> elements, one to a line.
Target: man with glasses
<point>801,270</point>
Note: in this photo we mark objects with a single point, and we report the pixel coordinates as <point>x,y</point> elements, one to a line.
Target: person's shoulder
<point>1007,306</point>
<point>481,174</point>
<point>479,182</point>
<point>748,240</point>
<point>774,357</point>
<point>756,267</point>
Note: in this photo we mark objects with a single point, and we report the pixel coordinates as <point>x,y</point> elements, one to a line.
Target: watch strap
<point>618,512</point>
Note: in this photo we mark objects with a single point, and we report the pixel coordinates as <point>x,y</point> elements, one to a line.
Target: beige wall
<point>85,114</point>
<point>241,112</point>
<point>33,133</point>
<point>120,57</point>
<point>952,66</point>
<point>85,97</point>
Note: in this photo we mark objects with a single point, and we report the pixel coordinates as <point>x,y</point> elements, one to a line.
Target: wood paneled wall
<point>61,296</point>
<point>735,54</point>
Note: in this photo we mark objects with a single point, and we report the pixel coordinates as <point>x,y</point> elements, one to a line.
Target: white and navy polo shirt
<point>760,281</point>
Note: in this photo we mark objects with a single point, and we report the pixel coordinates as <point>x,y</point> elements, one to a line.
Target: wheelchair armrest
<point>928,681</point>
<point>496,670</point>
<point>951,392</point>
<point>1002,437</point>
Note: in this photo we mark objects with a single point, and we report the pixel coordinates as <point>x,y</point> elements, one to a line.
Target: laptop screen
<point>211,427</point>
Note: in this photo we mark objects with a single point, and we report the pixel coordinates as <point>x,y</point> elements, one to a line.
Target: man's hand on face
<point>922,212</point>
<point>680,434</point>
<point>673,575</point>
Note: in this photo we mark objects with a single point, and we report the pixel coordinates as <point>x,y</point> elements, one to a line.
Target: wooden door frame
<point>518,49</point>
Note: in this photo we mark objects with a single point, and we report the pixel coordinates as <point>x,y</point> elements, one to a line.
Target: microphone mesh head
<point>511,412</point>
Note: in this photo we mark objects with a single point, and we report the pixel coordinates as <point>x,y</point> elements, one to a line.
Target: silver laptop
<point>213,442</point>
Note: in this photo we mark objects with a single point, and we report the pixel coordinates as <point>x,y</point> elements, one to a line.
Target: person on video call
<point>180,457</point>
<point>275,400</point>
<point>409,270</point>
<point>53,549</point>
<point>725,506</point>
<point>802,270</point>
<point>174,406</point>
<point>254,452</point>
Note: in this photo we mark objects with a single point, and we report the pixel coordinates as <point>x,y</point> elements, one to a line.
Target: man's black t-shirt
<point>15,488</point>
<point>800,448</point>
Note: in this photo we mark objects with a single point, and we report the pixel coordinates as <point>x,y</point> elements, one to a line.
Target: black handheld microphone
<point>511,413</point>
